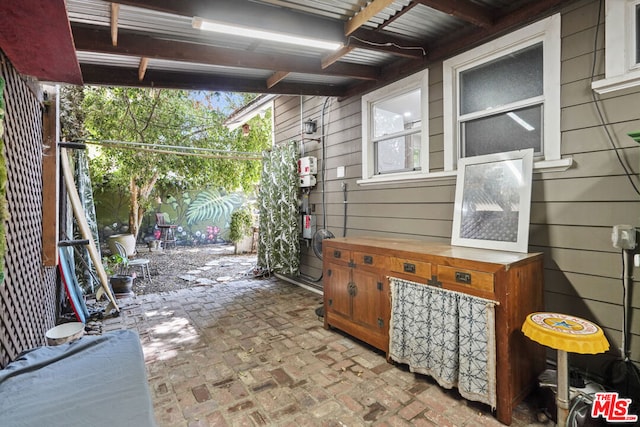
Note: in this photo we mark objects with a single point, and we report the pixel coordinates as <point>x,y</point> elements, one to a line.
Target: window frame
<point>546,31</point>
<point>621,71</point>
<point>420,81</point>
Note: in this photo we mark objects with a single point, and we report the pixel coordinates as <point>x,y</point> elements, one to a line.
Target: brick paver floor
<point>254,353</point>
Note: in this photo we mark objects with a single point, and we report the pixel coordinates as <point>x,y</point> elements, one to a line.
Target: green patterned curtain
<point>85,270</point>
<point>279,244</point>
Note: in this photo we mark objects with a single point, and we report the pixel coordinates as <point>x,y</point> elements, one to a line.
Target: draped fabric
<point>85,270</point>
<point>447,335</point>
<point>279,244</point>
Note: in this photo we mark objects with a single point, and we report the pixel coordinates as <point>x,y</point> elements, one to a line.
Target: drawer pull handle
<point>463,277</point>
<point>337,254</point>
<point>368,259</point>
<point>409,268</point>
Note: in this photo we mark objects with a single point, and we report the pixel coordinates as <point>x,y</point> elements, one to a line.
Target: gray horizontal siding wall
<point>572,212</point>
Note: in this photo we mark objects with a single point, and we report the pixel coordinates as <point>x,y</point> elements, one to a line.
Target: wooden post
<point>50,181</point>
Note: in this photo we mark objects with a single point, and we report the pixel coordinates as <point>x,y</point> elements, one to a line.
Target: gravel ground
<point>186,267</point>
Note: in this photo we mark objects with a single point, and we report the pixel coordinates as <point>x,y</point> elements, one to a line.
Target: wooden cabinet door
<point>367,307</point>
<point>336,289</point>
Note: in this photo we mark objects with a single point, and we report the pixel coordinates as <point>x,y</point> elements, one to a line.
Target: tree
<point>158,120</point>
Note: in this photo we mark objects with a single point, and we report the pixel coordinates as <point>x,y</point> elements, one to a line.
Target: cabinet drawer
<point>370,260</point>
<point>411,267</point>
<point>340,255</point>
<point>466,278</point>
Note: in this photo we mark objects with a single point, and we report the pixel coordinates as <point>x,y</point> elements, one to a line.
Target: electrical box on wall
<point>307,181</point>
<point>623,236</point>
<point>308,226</point>
<point>307,166</point>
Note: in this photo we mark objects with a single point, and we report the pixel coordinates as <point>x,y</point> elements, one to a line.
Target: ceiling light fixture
<point>242,31</point>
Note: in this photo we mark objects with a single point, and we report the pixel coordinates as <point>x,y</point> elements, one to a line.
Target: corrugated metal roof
<point>162,64</point>
<point>316,79</point>
<point>423,22</point>
<point>367,57</point>
<point>401,23</point>
<point>334,9</point>
<point>164,25</point>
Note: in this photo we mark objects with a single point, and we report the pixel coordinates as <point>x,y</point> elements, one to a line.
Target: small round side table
<point>566,334</point>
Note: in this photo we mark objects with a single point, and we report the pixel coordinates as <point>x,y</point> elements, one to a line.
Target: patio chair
<point>143,263</point>
<point>167,231</point>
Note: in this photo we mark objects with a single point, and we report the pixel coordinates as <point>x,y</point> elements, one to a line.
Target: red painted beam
<point>36,36</point>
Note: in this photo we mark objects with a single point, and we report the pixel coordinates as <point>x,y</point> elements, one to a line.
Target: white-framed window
<point>395,133</point>
<point>622,46</point>
<point>504,96</point>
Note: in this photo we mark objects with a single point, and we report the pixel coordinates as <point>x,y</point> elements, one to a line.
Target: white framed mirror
<point>493,201</point>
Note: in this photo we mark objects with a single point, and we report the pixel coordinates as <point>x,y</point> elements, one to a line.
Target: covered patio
<point>253,352</point>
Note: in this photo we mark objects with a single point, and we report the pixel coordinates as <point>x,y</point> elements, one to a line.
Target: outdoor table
<point>566,334</point>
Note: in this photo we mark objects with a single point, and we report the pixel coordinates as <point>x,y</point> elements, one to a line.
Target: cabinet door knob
<point>352,289</point>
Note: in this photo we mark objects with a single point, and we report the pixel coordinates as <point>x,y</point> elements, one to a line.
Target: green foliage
<point>165,118</point>
<point>72,116</point>
<point>212,205</point>
<point>115,264</point>
<point>241,223</point>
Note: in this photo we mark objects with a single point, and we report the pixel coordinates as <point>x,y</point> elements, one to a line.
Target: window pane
<point>396,114</point>
<point>511,78</point>
<point>398,154</point>
<point>515,130</point>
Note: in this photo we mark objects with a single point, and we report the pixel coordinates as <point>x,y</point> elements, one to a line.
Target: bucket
<point>64,333</point>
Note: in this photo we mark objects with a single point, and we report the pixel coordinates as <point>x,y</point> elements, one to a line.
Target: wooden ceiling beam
<point>142,68</point>
<point>334,57</point>
<point>115,11</point>
<point>276,78</point>
<point>361,18</point>
<point>375,41</point>
<point>398,14</point>
<point>462,9</point>
<point>521,16</point>
<point>121,76</point>
<point>95,39</point>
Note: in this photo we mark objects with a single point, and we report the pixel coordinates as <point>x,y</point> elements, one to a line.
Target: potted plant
<point>240,230</point>
<point>120,280</point>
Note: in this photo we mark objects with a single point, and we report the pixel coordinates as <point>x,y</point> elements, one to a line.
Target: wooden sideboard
<point>357,297</point>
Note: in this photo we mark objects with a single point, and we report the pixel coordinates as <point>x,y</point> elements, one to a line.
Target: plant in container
<point>116,267</point>
<point>240,229</point>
